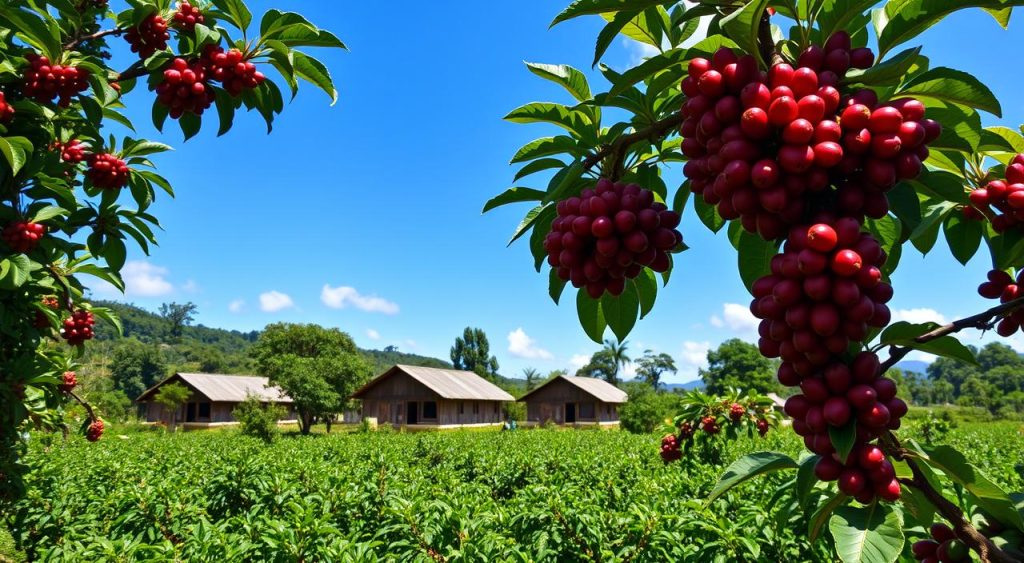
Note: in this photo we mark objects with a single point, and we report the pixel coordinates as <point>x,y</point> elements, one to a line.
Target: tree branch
<point>766,43</point>
<point>967,533</point>
<point>131,72</point>
<point>88,408</point>
<point>617,148</point>
<point>85,38</point>
<point>980,321</point>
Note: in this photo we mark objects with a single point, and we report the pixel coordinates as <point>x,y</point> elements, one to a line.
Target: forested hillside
<point>117,369</point>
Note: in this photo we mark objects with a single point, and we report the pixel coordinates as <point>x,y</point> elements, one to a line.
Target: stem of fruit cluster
<point>765,43</point>
<point>965,532</point>
<point>85,405</point>
<point>980,321</point>
<point>85,38</point>
<point>131,72</point>
<point>617,148</point>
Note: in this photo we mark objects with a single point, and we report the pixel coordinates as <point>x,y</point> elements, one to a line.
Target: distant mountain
<point>688,386</point>
<point>915,366</point>
<point>150,327</point>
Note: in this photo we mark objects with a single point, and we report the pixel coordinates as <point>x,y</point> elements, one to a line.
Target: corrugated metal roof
<point>227,388</point>
<point>448,383</point>
<point>597,388</point>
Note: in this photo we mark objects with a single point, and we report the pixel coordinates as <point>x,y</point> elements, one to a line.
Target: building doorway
<point>570,413</point>
<point>190,412</point>
<point>412,413</point>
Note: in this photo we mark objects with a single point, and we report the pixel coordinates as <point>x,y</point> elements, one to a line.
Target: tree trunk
<point>327,422</point>
<point>305,423</point>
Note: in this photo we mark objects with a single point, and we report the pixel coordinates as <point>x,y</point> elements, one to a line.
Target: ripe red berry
<point>846,263</point>
<point>70,380</point>
<point>187,16</point>
<point>23,236</point>
<point>95,430</point>
<point>149,36</point>
<point>822,238</point>
<point>107,171</point>
<point>45,81</point>
<point>78,328</point>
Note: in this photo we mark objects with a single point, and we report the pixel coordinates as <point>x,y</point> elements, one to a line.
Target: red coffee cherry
<point>45,81</point>
<point>235,73</point>
<point>149,36</point>
<point>6,109</point>
<point>187,16</point>
<point>107,171</point>
<point>95,430</point>
<point>70,380</point>
<point>184,88</point>
<point>23,237</point>
<point>78,328</point>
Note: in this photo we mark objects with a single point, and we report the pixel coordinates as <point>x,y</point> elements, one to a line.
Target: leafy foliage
<point>472,352</point>
<point>736,364</point>
<point>259,420</point>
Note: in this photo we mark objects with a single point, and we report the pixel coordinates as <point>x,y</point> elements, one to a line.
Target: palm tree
<point>532,375</point>
<point>617,352</point>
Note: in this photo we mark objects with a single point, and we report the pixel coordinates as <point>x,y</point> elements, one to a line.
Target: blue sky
<point>366,215</point>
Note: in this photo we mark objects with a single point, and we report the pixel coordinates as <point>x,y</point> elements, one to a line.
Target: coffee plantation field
<point>461,496</point>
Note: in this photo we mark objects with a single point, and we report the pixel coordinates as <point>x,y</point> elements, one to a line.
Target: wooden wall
<point>219,412</point>
<point>549,404</point>
<point>449,412</point>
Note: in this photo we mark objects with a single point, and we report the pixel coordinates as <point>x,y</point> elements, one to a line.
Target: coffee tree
<point>72,194</point>
<point>822,144</point>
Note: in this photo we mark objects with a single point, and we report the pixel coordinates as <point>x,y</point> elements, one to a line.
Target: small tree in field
<point>259,420</point>
<point>178,316</point>
<point>822,145</point>
<point>736,364</point>
<point>472,352</point>
<point>171,397</point>
<point>651,366</point>
<point>76,183</point>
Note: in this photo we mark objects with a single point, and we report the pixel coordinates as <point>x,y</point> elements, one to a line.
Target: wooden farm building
<point>574,400</point>
<point>213,399</point>
<point>426,398</point>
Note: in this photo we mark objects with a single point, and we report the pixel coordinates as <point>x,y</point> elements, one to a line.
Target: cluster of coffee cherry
<point>944,547</point>
<point>1002,201</point>
<point>231,69</point>
<point>825,290</point>
<point>184,88</point>
<point>608,235</point>
<point>78,327</point>
<point>45,81</point>
<point>149,36</point>
<point>71,152</point>
<point>23,236</point>
<point>765,147</point>
<point>671,448</point>
<point>709,424</point>
<point>6,109</point>
<point>1005,288</point>
<point>187,16</point>
<point>68,382</point>
<point>95,430</point>
<point>107,171</point>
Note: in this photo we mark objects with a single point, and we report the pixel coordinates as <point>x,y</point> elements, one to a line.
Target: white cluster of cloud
<point>345,296</point>
<point>372,334</point>
<point>736,318</point>
<point>918,316</point>
<point>273,301</point>
<point>141,279</point>
<point>521,345</point>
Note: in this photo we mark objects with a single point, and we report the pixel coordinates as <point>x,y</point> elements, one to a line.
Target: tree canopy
<point>736,364</point>
<point>472,352</point>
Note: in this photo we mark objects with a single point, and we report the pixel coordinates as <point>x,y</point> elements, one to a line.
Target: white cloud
<point>639,51</point>
<point>922,356</point>
<point>372,334</point>
<point>578,360</point>
<point>693,357</point>
<point>272,301</point>
<point>236,306</point>
<point>521,345</point>
<point>191,286</point>
<point>343,296</point>
<point>736,318</point>
<point>141,279</point>
<point>412,343</point>
<point>916,316</point>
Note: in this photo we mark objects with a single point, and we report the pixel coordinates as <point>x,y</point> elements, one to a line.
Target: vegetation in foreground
<point>516,496</point>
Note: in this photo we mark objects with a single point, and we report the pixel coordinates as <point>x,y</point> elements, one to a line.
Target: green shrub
<point>646,410</point>
<point>259,420</point>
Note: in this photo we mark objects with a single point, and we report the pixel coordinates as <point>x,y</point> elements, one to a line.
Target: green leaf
<point>923,237</point>
<point>748,467</point>
<point>650,67</point>
<point>904,334</point>
<point>805,478</point>
<point>621,312</point>
<point>742,25</point>
<point>143,148</point>
<point>531,218</point>
<point>647,289</point>
<point>225,111</point>
<point>708,214</point>
<point>315,72</point>
<point>15,271</point>
<point>843,439</point>
<point>574,81</point>
<point>1002,17</point>
<point>822,515</point>
<point>887,231</point>
<point>868,534</point>
<point>1012,138</point>
<point>556,285</point>
<point>597,7</point>
<point>571,120</point>
<point>591,316</point>
<point>839,14</point>
<point>1007,248</point>
<point>990,496</point>
<point>513,195</point>
<point>961,128</point>
<point>963,237</point>
<point>545,146</point>
<point>952,86</point>
<point>44,35</point>
<point>190,124</point>
<point>114,252</point>
<point>888,73</point>
<point>14,151</point>
<point>239,14</point>
<point>538,166</point>
<point>754,256</point>
<point>610,32</point>
<point>47,213</point>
